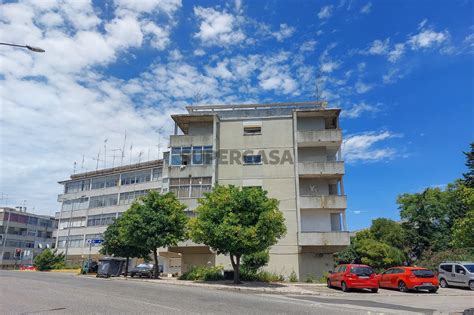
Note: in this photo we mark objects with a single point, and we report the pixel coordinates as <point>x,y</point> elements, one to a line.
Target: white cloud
<point>275,75</point>
<point>159,36</point>
<point>427,38</point>
<point>378,47</point>
<point>325,12</point>
<point>358,109</point>
<point>362,87</point>
<point>395,74</point>
<point>397,52</point>
<point>285,32</point>
<point>366,8</point>
<point>364,147</point>
<point>168,7</point>
<point>218,27</point>
<point>308,46</point>
<point>329,66</point>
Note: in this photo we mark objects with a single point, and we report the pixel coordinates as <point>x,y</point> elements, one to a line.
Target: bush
<point>293,277</point>
<point>48,260</point>
<point>310,279</point>
<point>262,276</point>
<point>254,262</point>
<point>203,273</point>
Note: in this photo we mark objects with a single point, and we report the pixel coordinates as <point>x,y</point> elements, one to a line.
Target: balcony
<point>323,202</point>
<point>340,238</point>
<point>319,137</point>
<point>188,140</point>
<point>321,169</point>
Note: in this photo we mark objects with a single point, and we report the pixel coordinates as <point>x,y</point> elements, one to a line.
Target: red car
<point>28,267</point>
<point>352,276</point>
<point>409,278</point>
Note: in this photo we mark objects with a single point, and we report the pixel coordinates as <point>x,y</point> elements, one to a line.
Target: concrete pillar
<point>344,224</point>
<point>175,128</point>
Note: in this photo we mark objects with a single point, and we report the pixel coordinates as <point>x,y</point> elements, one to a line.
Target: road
<point>58,293</point>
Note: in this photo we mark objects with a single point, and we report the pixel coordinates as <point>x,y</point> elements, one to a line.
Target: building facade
<point>91,201</point>
<point>293,151</point>
<point>23,236</point>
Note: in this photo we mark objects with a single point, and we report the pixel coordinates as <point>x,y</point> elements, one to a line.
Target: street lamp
<point>32,48</point>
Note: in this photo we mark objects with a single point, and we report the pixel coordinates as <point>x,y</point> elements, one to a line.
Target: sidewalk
<point>256,287</point>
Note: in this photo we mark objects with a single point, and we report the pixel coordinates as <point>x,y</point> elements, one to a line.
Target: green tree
<point>378,255</point>
<point>48,259</point>
<point>463,231</point>
<point>469,176</point>
<point>237,221</point>
<point>388,231</point>
<point>116,244</point>
<point>253,262</point>
<point>155,220</point>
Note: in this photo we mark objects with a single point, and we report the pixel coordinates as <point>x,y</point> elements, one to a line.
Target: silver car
<point>456,274</point>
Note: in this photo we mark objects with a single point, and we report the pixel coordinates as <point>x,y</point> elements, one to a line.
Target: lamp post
<point>32,48</point>
<point>69,226</point>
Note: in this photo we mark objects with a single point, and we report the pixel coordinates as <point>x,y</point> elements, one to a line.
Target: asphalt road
<point>57,293</point>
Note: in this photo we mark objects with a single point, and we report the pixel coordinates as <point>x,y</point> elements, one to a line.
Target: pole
<point>32,48</point>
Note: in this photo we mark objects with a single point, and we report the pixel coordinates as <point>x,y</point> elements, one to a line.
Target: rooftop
<point>115,170</point>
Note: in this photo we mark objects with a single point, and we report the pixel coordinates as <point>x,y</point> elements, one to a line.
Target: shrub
<point>431,260</point>
<point>309,279</point>
<point>254,262</point>
<point>293,277</point>
<point>48,260</point>
<point>203,273</point>
<point>262,276</point>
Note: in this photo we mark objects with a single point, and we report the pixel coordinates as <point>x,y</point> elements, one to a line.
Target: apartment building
<point>91,201</point>
<point>23,235</point>
<point>291,150</point>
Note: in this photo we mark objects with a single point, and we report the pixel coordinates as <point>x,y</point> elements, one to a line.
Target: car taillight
<point>372,276</point>
<point>351,275</point>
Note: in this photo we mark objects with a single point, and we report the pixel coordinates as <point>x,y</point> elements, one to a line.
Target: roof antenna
<point>82,164</point>
<point>114,156</point>
<point>105,153</point>
<point>140,156</point>
<point>97,159</point>
<point>123,148</point>
<point>75,163</point>
<point>131,148</point>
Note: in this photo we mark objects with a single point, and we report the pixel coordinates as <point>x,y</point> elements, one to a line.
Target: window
<point>252,130</point>
<point>101,219</point>
<point>80,185</point>
<point>75,222</point>
<point>335,222</point>
<point>447,268</point>
<point>75,241</point>
<point>103,201</point>
<point>136,177</point>
<point>253,159</point>
<point>188,187</point>
<point>459,269</point>
<point>104,182</point>
<point>342,269</point>
<point>196,155</point>
<point>129,197</point>
<point>33,221</point>
<point>157,173</point>
<point>75,204</point>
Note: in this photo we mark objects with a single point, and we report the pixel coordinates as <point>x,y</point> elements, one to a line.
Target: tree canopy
<point>237,221</point>
<point>153,221</point>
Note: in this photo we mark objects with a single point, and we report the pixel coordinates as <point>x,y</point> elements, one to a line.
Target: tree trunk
<point>236,265</point>
<point>126,267</point>
<point>155,267</point>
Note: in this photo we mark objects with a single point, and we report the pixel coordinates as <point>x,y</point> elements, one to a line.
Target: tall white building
<point>291,150</point>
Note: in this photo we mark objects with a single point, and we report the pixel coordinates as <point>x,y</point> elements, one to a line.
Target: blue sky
<point>402,71</point>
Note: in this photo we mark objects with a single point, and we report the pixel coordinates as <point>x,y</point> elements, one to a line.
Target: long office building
<point>23,235</point>
<point>291,150</point>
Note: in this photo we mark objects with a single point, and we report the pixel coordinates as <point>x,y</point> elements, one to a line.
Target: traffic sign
<point>95,241</point>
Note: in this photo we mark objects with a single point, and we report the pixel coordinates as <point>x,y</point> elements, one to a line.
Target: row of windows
<point>29,232</point>
<point>196,155</point>
<point>102,201</point>
<point>101,219</point>
<point>114,180</point>
<point>20,244</point>
<point>20,218</point>
<point>78,241</point>
<point>75,222</point>
<point>187,187</point>
<point>129,197</point>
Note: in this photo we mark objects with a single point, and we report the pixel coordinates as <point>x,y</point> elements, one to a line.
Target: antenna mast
<point>123,148</point>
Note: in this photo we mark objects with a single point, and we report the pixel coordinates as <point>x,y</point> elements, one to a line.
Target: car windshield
<point>145,266</point>
<point>422,273</point>
<point>362,271</point>
<point>470,268</point>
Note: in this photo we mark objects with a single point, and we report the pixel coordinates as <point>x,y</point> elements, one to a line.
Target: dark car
<point>142,270</point>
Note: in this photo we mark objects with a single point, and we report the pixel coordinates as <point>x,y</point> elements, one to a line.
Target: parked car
<point>353,276</point>
<point>456,273</point>
<point>144,270</point>
<point>28,267</point>
<point>409,278</point>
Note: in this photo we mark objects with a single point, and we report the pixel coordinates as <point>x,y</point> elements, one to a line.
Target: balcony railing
<point>319,137</point>
<point>340,238</point>
<point>190,140</point>
<point>318,169</point>
<point>323,202</point>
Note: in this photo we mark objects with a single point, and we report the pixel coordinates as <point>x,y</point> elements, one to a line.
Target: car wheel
<point>443,283</point>
<point>471,285</point>
<point>329,284</point>
<point>344,287</point>
<point>402,286</point>
<point>433,290</point>
<point>132,275</point>
<point>374,290</point>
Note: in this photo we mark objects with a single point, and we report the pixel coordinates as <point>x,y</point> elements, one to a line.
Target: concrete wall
<point>314,265</point>
<point>190,260</point>
<point>201,128</point>
<point>312,154</point>
<point>310,123</point>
